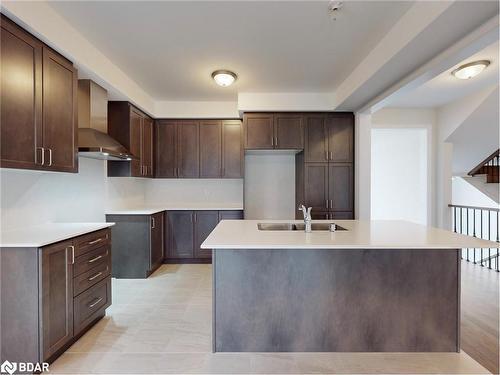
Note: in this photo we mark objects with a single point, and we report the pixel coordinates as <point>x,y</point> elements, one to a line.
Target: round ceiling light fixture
<point>470,70</point>
<point>224,78</point>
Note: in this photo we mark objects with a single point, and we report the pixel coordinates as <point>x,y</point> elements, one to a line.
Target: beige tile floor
<point>162,325</point>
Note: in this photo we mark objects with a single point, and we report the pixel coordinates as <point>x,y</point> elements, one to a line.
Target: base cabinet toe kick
<point>50,296</point>
<point>341,300</point>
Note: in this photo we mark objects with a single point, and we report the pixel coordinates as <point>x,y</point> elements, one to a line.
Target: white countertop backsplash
<point>46,234</point>
<point>378,234</point>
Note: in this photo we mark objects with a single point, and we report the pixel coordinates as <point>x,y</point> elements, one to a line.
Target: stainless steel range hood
<point>93,139</point>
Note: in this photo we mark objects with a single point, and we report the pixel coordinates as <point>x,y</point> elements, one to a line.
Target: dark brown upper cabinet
<point>232,149</point>
<point>134,130</point>
<point>316,187</point>
<point>340,137</point>
<point>210,148</point>
<point>274,131</point>
<point>38,104</point>
<point>188,151</point>
<point>165,149</point>
<point>198,148</point>
<point>259,130</point>
<point>329,137</point>
<point>289,131</point>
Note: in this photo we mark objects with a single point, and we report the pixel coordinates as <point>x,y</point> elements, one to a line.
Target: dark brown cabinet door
<point>157,239</point>
<point>136,144</point>
<point>232,149</point>
<point>188,156</point>
<point>316,189</point>
<point>57,296</point>
<point>147,147</point>
<point>20,97</point>
<point>316,142</point>
<point>181,234</point>
<point>340,191</point>
<point>288,131</point>
<point>166,145</point>
<point>259,130</point>
<point>210,148</point>
<point>231,215</point>
<point>204,224</point>
<point>340,137</point>
<point>59,113</point>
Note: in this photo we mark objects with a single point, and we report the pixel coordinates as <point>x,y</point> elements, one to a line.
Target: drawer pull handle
<point>95,302</point>
<point>95,241</point>
<point>95,276</point>
<point>94,259</point>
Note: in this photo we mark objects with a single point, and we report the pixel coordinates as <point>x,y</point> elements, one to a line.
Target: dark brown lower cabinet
<point>180,234</point>
<point>51,295</point>
<point>138,244</point>
<point>204,223</point>
<point>186,231</point>
<point>57,296</point>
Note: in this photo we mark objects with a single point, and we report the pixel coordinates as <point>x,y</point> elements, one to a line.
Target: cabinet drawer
<point>91,277</point>
<point>92,259</point>
<point>91,241</point>
<point>88,305</point>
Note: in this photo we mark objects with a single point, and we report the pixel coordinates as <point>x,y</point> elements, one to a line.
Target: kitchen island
<point>378,286</point>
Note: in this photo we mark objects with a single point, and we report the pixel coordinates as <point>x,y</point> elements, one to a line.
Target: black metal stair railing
<point>480,222</point>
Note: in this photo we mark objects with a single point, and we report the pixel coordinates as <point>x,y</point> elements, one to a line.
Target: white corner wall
<point>31,197</point>
<point>270,186</point>
<point>194,191</point>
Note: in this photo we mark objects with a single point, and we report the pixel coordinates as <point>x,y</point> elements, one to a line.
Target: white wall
<point>399,175</point>
<point>412,118</point>
<point>30,198</point>
<point>202,191</point>
<point>269,186</point>
<point>465,194</point>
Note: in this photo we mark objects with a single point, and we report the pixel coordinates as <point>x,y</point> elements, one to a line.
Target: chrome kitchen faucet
<point>307,217</point>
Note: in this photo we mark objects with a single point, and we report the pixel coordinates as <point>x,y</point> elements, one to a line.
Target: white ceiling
<point>445,88</point>
<point>170,48</point>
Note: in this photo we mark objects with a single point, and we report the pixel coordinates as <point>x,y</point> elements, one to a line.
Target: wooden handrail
<point>480,165</point>
<point>475,207</point>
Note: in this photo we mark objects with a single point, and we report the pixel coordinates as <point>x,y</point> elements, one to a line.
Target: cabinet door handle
<point>326,203</point>
<point>72,254</point>
<point>94,259</point>
<point>195,218</point>
<point>272,141</point>
<point>96,301</point>
<point>276,141</point>
<point>95,276</point>
<point>50,157</point>
<point>95,241</point>
<point>331,203</point>
<point>43,155</point>
<point>326,155</point>
<point>152,223</point>
<point>331,155</point>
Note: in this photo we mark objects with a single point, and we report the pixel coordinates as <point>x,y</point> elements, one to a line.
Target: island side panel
<point>303,300</point>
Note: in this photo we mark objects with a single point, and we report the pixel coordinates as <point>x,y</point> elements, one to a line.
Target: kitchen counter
<point>150,210</point>
<point>379,286</point>
<point>46,234</point>
<point>244,234</point>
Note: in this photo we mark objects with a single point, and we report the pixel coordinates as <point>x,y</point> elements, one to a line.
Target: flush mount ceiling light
<point>224,78</point>
<point>470,70</point>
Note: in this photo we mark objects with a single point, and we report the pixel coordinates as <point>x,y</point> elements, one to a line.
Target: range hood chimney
<point>93,139</point>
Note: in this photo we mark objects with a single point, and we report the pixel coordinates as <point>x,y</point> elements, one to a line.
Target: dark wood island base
<point>336,300</point>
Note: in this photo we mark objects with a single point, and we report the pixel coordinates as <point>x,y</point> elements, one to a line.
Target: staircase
<point>486,177</point>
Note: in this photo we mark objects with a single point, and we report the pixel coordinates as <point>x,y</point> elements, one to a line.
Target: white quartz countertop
<point>244,234</point>
<point>150,210</point>
<point>46,234</point>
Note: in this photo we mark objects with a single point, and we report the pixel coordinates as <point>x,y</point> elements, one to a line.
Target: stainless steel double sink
<point>296,226</point>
